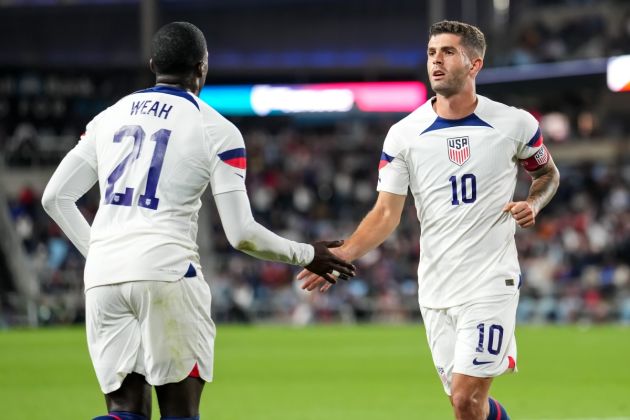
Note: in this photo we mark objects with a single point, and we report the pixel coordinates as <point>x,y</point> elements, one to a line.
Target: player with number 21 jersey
<point>152,178</point>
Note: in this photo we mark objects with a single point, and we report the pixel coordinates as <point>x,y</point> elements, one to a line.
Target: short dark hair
<point>177,47</point>
<point>472,38</point>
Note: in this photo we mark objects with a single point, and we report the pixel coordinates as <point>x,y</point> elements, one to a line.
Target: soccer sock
<point>497,411</point>
<point>121,415</point>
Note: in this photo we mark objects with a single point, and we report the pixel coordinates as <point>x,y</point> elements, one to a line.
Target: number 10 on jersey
<point>468,186</point>
<point>147,200</point>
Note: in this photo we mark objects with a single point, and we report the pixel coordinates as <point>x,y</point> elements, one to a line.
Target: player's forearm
<point>66,214</point>
<point>373,230</point>
<point>544,186</point>
<point>72,179</point>
<point>248,236</point>
<point>257,241</point>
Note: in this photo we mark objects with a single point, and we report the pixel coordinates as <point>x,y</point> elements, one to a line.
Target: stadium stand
<point>312,178</point>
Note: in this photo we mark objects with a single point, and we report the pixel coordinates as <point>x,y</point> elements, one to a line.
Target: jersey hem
<point>392,190</point>
<point>170,279</point>
<point>438,305</point>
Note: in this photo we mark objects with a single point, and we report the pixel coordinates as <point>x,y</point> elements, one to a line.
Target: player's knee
<point>462,404</point>
<point>466,406</point>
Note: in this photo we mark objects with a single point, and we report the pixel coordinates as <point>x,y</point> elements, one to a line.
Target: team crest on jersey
<point>541,156</point>
<point>458,149</point>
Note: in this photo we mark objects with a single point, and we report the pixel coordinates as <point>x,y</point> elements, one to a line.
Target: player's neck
<point>456,106</point>
<point>176,82</point>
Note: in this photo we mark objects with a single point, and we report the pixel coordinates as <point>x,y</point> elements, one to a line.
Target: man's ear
<point>151,65</point>
<point>476,65</point>
<point>199,69</point>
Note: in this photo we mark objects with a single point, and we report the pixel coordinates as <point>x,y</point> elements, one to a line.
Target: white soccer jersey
<point>155,151</point>
<point>461,173</point>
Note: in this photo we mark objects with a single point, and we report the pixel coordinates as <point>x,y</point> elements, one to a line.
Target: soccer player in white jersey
<point>153,153</point>
<point>459,155</point>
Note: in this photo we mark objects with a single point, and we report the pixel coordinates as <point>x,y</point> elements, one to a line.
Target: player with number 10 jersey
<point>461,173</point>
<point>458,154</point>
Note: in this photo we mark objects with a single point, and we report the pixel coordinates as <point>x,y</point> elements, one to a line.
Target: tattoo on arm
<point>544,185</point>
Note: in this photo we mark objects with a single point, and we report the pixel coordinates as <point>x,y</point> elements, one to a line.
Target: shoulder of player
<point>416,121</point>
<point>493,110</point>
<point>94,122</point>
<point>209,113</point>
<point>510,121</point>
<point>216,124</point>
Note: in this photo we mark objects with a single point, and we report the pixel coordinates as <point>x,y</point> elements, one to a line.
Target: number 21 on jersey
<point>147,200</point>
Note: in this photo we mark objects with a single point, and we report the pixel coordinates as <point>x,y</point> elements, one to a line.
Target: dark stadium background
<point>312,176</point>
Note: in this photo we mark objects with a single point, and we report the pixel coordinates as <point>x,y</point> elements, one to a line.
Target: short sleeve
<point>229,160</point>
<point>393,172</point>
<point>86,147</point>
<point>528,135</point>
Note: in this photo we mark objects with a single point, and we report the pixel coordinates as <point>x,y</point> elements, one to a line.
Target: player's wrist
<point>533,204</point>
<point>344,252</point>
<point>309,255</point>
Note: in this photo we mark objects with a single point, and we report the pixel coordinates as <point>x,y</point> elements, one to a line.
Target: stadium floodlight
<point>618,73</point>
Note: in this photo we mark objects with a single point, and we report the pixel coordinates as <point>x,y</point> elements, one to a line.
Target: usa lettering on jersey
<point>458,150</point>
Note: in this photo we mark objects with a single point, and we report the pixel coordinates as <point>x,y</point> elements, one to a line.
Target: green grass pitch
<point>333,373</point>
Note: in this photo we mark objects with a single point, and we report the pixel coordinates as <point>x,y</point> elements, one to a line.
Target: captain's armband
<point>537,160</point>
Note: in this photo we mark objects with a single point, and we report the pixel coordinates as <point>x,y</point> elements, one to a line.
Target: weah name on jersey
<point>150,107</point>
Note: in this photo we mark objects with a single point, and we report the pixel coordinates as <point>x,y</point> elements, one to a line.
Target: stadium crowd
<point>576,36</point>
<point>310,181</point>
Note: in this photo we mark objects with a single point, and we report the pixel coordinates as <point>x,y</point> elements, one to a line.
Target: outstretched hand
<point>313,281</point>
<point>327,265</point>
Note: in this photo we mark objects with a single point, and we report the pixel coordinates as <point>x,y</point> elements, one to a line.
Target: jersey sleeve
<point>86,147</point>
<point>246,235</point>
<point>71,180</point>
<point>229,160</point>
<point>393,172</point>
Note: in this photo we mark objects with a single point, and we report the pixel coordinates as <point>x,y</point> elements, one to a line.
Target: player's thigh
<point>176,328</point>
<point>113,334</point>
<point>441,337</point>
<point>486,345</point>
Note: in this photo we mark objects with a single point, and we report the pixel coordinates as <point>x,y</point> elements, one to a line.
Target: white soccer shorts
<point>155,328</point>
<point>475,339</point>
